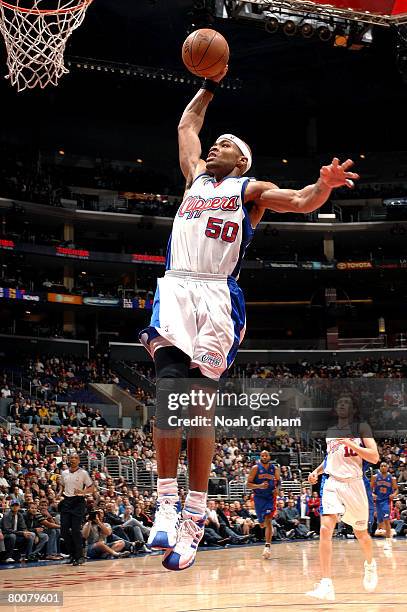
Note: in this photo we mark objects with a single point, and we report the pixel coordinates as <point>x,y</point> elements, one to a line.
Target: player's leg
<point>383,515</point>
<point>366,543</point>
<point>388,542</point>
<point>328,523</point>
<point>370,577</point>
<point>268,527</point>
<point>171,365</point>
<point>355,500</point>
<point>324,589</point>
<point>200,449</point>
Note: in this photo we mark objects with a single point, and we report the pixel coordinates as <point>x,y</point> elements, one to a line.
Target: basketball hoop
<point>35,33</point>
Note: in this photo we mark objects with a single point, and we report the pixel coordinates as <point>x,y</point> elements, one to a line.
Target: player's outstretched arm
<point>189,128</point>
<point>308,199</point>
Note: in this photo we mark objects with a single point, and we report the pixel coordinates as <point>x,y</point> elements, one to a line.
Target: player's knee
<point>326,531</point>
<point>361,534</point>
<point>168,406</point>
<point>171,362</point>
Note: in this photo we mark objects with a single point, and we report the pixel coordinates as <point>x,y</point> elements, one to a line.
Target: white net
<point>35,33</point>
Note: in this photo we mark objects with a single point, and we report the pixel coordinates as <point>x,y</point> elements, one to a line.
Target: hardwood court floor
<point>233,580</point>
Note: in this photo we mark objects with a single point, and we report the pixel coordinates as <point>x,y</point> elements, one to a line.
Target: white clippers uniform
<point>198,305</point>
<point>343,489</point>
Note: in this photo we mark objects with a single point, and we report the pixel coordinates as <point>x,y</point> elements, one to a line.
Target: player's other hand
<point>264,485</point>
<point>338,175</point>
<point>313,478</point>
<point>346,442</point>
<point>221,75</point>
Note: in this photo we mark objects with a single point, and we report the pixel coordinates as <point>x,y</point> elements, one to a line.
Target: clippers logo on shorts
<point>194,206</point>
<point>213,359</point>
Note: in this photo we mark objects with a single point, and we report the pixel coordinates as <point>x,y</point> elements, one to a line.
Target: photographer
<point>96,532</point>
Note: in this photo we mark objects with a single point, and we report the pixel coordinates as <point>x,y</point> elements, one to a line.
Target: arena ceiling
<point>357,98</point>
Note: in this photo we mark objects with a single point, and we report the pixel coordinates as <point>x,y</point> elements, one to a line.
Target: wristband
<point>209,85</point>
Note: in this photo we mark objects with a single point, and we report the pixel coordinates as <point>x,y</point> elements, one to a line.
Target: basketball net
<point>35,33</point>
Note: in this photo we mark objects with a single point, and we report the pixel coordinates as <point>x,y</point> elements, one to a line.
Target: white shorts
<point>347,498</point>
<point>201,314</point>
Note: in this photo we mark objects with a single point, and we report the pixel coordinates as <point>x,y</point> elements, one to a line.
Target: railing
<point>362,343</point>
<point>92,460</point>
<point>237,490</point>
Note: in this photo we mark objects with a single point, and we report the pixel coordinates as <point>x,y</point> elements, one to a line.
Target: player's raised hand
<point>221,75</point>
<point>338,175</point>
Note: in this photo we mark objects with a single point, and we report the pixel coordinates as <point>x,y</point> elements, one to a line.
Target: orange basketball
<point>205,53</point>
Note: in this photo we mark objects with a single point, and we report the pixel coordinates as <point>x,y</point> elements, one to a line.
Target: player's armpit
<point>200,168</point>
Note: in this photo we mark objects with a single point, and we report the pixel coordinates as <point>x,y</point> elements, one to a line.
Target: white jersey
<point>211,229</point>
<point>343,462</point>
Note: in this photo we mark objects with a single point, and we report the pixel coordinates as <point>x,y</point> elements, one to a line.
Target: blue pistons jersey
<point>260,477</point>
<point>212,229</point>
<point>383,487</point>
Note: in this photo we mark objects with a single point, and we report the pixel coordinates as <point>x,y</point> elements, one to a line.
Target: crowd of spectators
<point>366,367</point>
<point>42,433</point>
<point>120,513</point>
<point>53,377</point>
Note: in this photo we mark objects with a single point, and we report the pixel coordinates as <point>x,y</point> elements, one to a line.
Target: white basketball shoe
<point>266,552</point>
<point>324,589</point>
<point>163,534</point>
<point>370,578</point>
<point>190,533</point>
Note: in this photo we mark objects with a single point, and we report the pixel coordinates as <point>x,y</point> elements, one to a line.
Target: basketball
<point>205,53</point>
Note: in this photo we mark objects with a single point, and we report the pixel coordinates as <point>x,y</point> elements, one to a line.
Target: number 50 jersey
<point>212,229</point>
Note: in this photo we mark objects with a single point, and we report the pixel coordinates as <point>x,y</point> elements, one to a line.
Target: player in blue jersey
<point>198,318</point>
<point>264,480</point>
<point>385,489</point>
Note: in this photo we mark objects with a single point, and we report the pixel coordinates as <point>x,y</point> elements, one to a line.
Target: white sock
<point>167,486</point>
<point>388,540</point>
<point>196,502</point>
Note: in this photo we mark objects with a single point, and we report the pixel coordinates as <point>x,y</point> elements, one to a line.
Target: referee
<point>75,484</point>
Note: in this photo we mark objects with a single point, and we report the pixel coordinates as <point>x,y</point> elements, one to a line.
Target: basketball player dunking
<point>384,487</point>
<point>198,318</point>
<point>343,493</point>
<point>264,479</point>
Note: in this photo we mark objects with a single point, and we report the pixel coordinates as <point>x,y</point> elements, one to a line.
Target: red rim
<point>19,9</point>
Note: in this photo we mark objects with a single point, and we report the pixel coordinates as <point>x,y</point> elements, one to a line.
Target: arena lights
<point>144,72</point>
<point>292,25</point>
<point>344,27</point>
<point>307,30</point>
<point>232,9</point>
